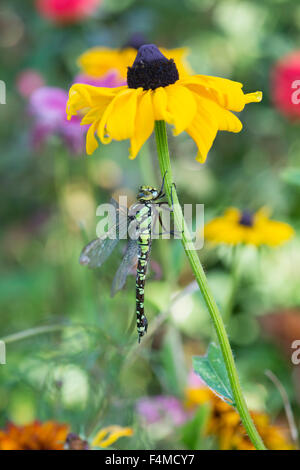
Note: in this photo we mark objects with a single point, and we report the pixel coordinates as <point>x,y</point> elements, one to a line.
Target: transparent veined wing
<point>95,253</point>
<point>128,263</point>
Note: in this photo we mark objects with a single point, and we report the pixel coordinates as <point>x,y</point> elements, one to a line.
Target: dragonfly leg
<point>161,191</point>
<point>161,222</point>
<point>161,194</point>
<point>171,232</point>
<point>164,205</point>
<point>173,186</point>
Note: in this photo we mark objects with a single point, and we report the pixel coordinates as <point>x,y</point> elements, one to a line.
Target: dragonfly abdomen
<point>144,221</point>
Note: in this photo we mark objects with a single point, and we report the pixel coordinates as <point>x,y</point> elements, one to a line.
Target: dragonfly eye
<point>141,194</point>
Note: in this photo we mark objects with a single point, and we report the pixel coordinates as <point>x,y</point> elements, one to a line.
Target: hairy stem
<point>170,189</point>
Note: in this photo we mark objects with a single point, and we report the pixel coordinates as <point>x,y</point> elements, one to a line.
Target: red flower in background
<point>285,86</point>
<point>66,11</point>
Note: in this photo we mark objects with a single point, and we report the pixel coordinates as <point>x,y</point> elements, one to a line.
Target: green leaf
<point>172,370</point>
<point>291,176</point>
<point>212,370</point>
<point>193,431</point>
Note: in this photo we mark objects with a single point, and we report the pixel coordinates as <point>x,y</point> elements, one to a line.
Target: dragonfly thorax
<point>147,193</point>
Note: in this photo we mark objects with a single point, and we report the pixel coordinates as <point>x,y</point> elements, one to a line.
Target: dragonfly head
<point>147,193</point>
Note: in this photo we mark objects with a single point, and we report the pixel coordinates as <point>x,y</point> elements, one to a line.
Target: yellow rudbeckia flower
<point>199,104</point>
<point>224,423</point>
<point>109,435</point>
<point>237,226</point>
<point>99,61</point>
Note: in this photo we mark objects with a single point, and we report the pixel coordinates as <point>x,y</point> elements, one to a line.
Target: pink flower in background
<point>194,381</point>
<point>66,11</point>
<point>110,80</point>
<point>285,85</point>
<point>47,105</point>
<point>28,81</point>
<point>162,408</point>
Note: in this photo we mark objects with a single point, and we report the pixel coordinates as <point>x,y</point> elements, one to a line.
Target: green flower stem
<point>146,165</point>
<point>165,168</point>
<point>149,176</point>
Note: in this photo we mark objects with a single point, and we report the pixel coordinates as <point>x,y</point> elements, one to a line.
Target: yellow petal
<point>144,123</point>
<point>102,129</point>
<point>263,213</point>
<point>120,122</point>
<point>160,105</point>
<point>274,233</point>
<point>91,141</point>
<point>227,93</point>
<point>232,214</point>
<point>209,118</point>
<point>255,97</point>
<point>182,106</point>
<point>227,120</point>
<point>228,229</point>
<point>97,61</point>
<point>179,56</point>
<point>203,129</point>
<point>82,98</point>
<point>92,115</point>
<point>109,435</point>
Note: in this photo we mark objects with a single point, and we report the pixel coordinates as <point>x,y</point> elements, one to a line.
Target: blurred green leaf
<point>193,431</point>
<point>211,368</point>
<point>291,176</point>
<point>173,371</point>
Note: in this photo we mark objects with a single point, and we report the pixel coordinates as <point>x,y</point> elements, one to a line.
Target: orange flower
<point>34,436</point>
<point>224,423</point>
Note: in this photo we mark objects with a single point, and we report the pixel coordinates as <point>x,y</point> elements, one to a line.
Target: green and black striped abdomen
<point>144,220</point>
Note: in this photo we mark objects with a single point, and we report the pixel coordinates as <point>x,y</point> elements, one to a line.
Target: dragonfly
<point>137,251</point>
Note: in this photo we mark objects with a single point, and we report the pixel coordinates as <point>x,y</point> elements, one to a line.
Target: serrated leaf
<point>212,370</point>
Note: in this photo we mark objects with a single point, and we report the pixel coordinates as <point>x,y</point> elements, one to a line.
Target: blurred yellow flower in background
<point>107,436</point>
<point>199,104</point>
<point>224,423</point>
<point>78,203</point>
<point>257,229</point>
<point>98,61</point>
<point>49,435</point>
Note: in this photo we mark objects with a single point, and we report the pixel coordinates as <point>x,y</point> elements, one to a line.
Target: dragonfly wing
<point>97,251</point>
<point>128,263</point>
<point>122,220</point>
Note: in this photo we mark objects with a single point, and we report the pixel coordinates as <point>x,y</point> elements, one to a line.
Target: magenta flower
<point>28,81</point>
<point>47,106</point>
<point>285,85</point>
<point>162,408</point>
<point>111,80</point>
<point>67,11</point>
